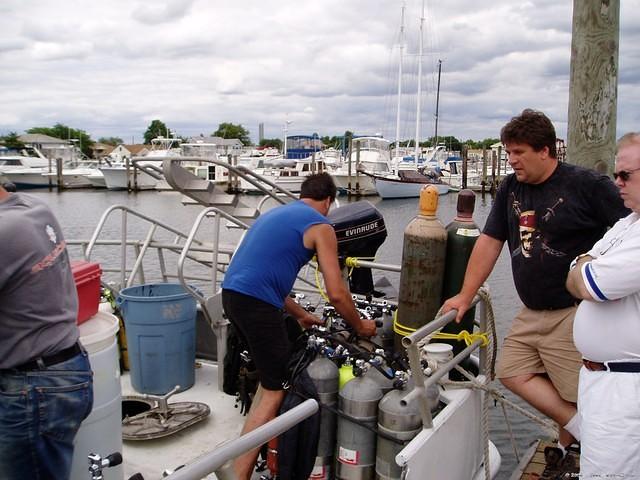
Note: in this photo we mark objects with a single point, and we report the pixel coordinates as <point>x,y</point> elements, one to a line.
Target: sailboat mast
<point>400,78</point>
<point>419,94</point>
<point>437,104</point>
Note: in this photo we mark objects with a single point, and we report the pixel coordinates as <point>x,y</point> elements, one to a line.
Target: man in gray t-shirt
<point>45,376</point>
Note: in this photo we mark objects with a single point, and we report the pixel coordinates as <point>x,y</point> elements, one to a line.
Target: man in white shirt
<point>607,333</point>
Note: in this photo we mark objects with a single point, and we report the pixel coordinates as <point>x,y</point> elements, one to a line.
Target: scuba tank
<point>356,445</point>
<point>402,422</point>
<point>423,255</point>
<point>345,373</point>
<point>462,234</point>
<point>324,374</point>
<point>378,364</point>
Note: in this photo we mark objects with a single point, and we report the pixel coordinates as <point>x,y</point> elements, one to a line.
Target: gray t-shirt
<point>38,299</point>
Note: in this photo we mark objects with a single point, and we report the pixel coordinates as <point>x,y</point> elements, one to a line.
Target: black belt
<point>628,367</point>
<point>61,356</point>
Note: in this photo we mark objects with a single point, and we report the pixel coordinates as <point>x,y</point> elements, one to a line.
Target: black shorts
<point>263,327</point>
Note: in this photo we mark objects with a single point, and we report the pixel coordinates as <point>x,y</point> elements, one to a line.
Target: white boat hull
<point>40,178</point>
<point>360,184</point>
<point>291,183</point>
<point>391,188</point>
<point>116,178</point>
<point>96,180</point>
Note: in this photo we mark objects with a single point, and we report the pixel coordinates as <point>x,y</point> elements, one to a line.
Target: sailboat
<point>408,178</point>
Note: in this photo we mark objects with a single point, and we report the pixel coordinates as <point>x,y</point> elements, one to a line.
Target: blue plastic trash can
<point>160,324</point>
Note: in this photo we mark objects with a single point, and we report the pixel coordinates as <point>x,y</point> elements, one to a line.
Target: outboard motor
<point>360,230</point>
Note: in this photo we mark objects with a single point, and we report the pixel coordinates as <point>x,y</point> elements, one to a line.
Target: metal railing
<point>203,253</point>
<point>411,343</point>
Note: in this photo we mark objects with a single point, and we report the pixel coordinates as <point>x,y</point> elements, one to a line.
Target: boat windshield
<point>374,166</point>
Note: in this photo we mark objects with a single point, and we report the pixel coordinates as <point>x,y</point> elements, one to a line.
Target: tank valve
<point>97,464</point>
<point>360,367</point>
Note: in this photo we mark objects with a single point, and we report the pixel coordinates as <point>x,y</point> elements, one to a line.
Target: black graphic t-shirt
<point>548,225</point>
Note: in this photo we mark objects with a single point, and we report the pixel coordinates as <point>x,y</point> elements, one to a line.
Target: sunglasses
<point>624,174</point>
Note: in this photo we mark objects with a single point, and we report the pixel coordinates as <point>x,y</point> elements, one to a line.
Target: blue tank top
<point>266,263</point>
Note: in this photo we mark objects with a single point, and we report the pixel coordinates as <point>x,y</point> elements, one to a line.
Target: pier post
<point>593,84</point>
<point>59,177</point>
<point>483,181</point>
<point>496,160</point>
<point>127,166</point>
<point>350,151</point>
<point>465,166</point>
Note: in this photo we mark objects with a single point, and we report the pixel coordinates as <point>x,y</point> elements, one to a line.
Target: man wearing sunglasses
<point>548,212</point>
<point>607,334</point>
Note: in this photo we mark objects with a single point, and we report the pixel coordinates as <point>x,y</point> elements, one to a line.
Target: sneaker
<point>559,466</point>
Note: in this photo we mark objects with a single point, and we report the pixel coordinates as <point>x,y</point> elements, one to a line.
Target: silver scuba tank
<point>402,422</point>
<point>324,374</point>
<point>356,445</point>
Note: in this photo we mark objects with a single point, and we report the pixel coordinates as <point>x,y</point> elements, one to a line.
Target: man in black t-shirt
<point>548,213</point>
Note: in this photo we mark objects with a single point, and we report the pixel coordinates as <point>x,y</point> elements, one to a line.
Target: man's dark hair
<point>533,128</point>
<point>318,187</point>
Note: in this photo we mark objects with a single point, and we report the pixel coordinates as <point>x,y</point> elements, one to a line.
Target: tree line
<point>158,128</point>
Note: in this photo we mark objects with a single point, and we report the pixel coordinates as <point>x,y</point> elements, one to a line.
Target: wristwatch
<point>574,262</point>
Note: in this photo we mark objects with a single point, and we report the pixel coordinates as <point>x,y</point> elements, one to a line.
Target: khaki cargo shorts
<point>541,341</point>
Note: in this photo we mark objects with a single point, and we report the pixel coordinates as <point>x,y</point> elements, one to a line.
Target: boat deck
<point>152,457</point>
<point>533,465</point>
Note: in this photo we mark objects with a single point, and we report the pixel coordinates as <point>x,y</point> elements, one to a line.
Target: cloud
<point>158,12</point>
<point>330,66</point>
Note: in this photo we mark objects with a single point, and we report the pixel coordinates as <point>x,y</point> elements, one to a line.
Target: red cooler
<point>87,277</point>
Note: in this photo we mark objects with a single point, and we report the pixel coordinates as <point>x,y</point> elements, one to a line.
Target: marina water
<point>79,211</point>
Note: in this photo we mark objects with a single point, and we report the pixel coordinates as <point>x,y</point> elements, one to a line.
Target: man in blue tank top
<point>256,287</point>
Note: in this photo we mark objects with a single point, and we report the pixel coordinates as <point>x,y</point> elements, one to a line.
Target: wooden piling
<point>593,84</point>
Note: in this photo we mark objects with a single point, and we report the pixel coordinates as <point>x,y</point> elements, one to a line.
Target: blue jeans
<point>40,414</point>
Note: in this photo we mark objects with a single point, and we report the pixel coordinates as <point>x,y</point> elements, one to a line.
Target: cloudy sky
<point>111,67</point>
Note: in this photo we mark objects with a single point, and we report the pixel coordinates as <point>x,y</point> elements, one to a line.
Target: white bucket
<point>101,431</point>
<point>438,352</point>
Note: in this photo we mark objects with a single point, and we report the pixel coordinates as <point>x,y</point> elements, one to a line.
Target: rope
<point>463,336</point>
<point>489,366</point>
<point>499,397</point>
<point>510,430</point>
<point>352,262</point>
<point>319,285</point>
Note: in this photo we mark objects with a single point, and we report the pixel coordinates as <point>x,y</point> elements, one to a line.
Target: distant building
<point>122,151</point>
<point>99,150</point>
<point>561,149</point>
<point>225,145</point>
<point>499,147</point>
<point>51,147</point>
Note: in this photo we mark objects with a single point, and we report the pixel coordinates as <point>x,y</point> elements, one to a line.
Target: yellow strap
<point>352,262</point>
<point>399,328</point>
<point>464,336</point>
